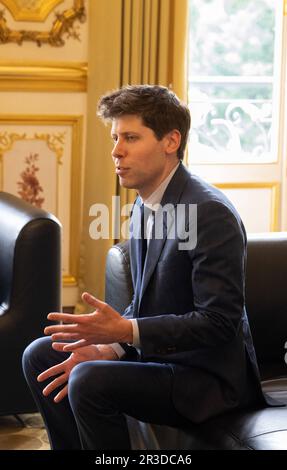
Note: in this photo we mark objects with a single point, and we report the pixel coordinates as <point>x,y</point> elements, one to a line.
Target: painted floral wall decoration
<point>29,185</point>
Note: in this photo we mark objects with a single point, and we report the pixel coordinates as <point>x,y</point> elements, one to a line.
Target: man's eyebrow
<point>124,133</point>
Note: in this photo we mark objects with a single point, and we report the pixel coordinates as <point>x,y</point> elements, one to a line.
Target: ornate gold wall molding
<point>30,10</point>
<point>63,24</point>
<point>45,76</point>
<point>54,142</point>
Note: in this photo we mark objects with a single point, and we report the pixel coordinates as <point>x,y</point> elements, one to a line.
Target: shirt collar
<point>155,198</point>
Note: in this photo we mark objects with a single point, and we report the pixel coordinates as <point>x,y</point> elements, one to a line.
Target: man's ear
<point>172,141</point>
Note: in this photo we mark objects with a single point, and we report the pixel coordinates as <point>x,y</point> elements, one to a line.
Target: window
<point>234,80</point>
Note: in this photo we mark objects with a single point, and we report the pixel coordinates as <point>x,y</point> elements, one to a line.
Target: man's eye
<point>131,138</point>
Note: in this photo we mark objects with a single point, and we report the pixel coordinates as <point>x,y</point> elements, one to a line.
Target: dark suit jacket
<point>190,306</point>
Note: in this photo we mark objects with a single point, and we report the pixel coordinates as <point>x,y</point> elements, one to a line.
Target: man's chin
<point>126,184</point>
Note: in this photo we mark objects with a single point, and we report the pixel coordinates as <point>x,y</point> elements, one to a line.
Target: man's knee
<point>89,380</point>
<point>35,352</point>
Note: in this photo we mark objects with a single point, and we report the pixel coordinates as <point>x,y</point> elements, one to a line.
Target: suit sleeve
<point>217,285</point>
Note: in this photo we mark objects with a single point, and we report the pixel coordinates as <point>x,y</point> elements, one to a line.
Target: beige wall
<point>99,177</point>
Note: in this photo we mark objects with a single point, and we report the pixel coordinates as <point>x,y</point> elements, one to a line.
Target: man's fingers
<point>65,336</point>
<point>54,384</point>
<point>61,394</point>
<point>59,346</point>
<point>91,300</point>
<point>65,317</point>
<point>78,344</point>
<point>50,372</point>
<point>60,329</point>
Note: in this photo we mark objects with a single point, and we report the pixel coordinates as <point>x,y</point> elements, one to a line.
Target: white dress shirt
<point>152,202</point>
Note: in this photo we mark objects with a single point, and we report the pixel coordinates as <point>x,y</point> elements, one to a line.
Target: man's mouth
<point>120,170</point>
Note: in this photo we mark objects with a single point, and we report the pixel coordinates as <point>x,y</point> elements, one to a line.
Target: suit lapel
<point>156,245</point>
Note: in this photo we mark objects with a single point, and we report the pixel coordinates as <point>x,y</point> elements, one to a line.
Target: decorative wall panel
<point>40,162</point>
<point>257,203</point>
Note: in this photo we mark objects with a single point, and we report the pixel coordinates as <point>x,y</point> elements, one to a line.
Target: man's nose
<point>118,150</point>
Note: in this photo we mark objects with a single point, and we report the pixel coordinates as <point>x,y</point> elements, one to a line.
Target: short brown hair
<point>159,108</point>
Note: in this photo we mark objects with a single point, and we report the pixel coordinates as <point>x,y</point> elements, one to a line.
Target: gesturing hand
<point>89,353</point>
<point>103,326</point>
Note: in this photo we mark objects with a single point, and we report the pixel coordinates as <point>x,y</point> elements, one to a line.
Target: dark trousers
<point>100,394</point>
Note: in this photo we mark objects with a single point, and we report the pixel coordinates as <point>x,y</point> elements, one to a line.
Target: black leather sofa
<point>266,298</point>
<point>30,286</point>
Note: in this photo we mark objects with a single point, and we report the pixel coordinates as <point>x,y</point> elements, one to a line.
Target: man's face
<point>141,160</point>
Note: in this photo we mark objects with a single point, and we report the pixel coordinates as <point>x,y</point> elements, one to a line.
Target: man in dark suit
<point>182,351</point>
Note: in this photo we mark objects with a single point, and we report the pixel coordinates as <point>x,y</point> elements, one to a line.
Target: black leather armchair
<point>266,298</point>
<point>30,280</point>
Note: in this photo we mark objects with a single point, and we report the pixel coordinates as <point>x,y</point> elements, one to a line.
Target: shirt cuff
<point>136,334</point>
<point>118,349</point>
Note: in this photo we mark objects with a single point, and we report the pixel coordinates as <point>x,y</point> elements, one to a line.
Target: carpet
<point>23,432</point>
